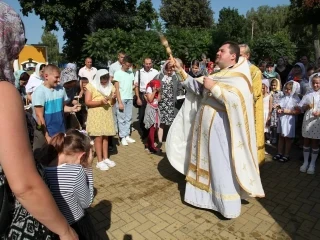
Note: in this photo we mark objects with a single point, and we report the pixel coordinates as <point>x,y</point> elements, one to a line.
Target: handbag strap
<point>139,80</point>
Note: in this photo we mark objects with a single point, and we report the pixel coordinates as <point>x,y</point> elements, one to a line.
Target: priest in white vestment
<point>212,140</point>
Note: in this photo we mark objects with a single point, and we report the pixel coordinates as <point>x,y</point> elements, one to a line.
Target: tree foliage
<point>266,20</point>
<point>186,44</point>
<point>231,25</point>
<point>306,12</point>
<point>272,46</point>
<point>73,17</point>
<point>187,13</point>
<point>50,40</point>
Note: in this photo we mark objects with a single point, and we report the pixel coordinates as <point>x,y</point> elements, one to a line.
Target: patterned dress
<point>276,97</point>
<point>23,225</point>
<point>166,105</point>
<point>100,120</point>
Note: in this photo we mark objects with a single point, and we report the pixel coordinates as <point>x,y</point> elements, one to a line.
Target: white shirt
<point>88,73</point>
<point>114,67</point>
<point>145,78</point>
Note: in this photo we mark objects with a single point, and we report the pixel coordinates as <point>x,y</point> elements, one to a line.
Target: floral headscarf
<point>68,75</point>
<point>12,40</point>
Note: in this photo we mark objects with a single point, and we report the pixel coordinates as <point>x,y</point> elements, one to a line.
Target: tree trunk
<point>316,41</point>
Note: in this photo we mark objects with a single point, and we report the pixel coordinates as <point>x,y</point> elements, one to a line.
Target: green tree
<point>186,44</point>
<point>146,14</point>
<point>73,17</point>
<point>266,20</point>
<point>187,13</point>
<point>306,12</point>
<point>231,25</point>
<point>272,46</point>
<point>50,40</point>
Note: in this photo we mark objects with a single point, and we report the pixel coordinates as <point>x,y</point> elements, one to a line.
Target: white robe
<point>216,147</point>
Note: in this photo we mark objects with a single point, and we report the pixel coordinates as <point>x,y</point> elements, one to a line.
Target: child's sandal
<point>284,159</point>
<point>277,157</point>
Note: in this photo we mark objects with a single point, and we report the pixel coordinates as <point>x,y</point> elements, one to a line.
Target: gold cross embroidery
<point>204,160</point>
<point>234,105</point>
<point>251,182</point>
<point>205,136</point>
<point>240,145</point>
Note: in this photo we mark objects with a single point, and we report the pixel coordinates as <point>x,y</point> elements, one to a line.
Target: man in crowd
<point>116,66</point>
<point>256,76</point>
<point>143,76</point>
<point>220,152</point>
<point>87,71</point>
<point>123,79</point>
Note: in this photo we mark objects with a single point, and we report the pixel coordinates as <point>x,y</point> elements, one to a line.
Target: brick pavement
<point>142,198</point>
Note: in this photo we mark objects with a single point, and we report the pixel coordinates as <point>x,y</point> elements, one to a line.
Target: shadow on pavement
<point>101,217</point>
<point>169,173</point>
<point>292,198</point>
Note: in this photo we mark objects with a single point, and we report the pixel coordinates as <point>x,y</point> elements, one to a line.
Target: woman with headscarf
<point>99,98</point>
<point>35,214</point>
<point>299,75</point>
<point>196,71</point>
<point>69,79</point>
<point>21,80</point>
<point>35,80</point>
<point>169,106</point>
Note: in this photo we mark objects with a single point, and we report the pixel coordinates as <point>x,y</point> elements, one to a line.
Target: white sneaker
<point>311,169</point>
<point>303,168</point>
<point>102,166</point>
<point>124,142</point>
<point>109,162</point>
<point>130,140</point>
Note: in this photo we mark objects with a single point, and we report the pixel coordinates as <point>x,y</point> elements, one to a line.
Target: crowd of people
<point>291,111</point>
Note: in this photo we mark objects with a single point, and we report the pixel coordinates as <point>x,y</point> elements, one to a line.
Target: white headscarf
<point>295,88</point>
<point>106,91</point>
<point>267,84</point>
<point>36,73</point>
<point>311,77</point>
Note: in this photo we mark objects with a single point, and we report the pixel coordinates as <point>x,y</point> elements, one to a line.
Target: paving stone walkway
<point>142,198</point>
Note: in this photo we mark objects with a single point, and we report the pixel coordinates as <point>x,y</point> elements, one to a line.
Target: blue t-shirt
<point>53,102</point>
<point>125,80</point>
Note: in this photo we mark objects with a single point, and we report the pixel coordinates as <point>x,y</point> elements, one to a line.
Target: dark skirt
<point>85,229</point>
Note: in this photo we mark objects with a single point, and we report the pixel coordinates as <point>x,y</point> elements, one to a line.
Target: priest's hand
<point>208,83</point>
<point>176,64</point>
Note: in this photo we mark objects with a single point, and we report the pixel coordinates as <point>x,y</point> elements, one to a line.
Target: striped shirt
<point>72,188</point>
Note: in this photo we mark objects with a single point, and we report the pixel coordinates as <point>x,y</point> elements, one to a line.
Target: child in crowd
<point>152,113</point>
<point>287,120</point>
<point>67,160</point>
<point>311,124</point>
<point>266,107</point>
<point>49,103</point>
<point>276,95</point>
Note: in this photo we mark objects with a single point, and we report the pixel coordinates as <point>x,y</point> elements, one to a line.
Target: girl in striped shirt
<point>68,160</point>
